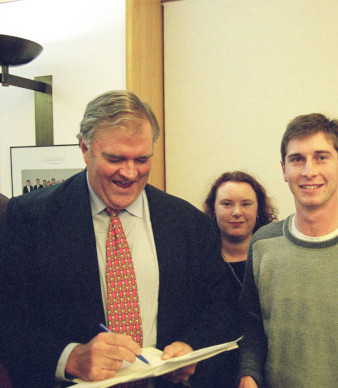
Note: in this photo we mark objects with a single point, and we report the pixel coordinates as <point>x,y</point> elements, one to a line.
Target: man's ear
<point>84,149</point>
<point>283,169</point>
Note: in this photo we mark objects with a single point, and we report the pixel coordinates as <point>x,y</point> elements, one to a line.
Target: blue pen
<point>140,357</point>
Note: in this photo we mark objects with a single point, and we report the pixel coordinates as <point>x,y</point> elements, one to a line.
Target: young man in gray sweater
<point>290,287</point>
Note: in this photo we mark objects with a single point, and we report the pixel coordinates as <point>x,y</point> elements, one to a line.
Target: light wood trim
<point>144,68</point>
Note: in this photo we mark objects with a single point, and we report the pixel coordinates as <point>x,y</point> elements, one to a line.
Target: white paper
<point>139,370</point>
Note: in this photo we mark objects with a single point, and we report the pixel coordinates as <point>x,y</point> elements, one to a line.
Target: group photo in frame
<point>43,166</point>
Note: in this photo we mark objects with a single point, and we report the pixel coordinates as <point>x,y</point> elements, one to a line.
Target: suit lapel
<point>80,238</point>
<point>164,227</point>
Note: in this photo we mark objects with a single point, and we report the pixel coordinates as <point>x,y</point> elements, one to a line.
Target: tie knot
<point>112,212</point>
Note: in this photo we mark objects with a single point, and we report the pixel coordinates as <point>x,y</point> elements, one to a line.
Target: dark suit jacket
<point>25,189</point>
<point>54,298</point>
<point>36,187</point>
<point>3,205</point>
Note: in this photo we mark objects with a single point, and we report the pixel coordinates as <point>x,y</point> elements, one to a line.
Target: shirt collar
<point>97,205</point>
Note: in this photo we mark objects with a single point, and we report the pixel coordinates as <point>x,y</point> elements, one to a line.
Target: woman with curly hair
<point>240,206</point>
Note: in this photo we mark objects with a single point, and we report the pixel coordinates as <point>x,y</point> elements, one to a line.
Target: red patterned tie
<point>123,307</point>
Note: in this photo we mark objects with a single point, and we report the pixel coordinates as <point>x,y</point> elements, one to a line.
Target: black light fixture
<point>16,51</point>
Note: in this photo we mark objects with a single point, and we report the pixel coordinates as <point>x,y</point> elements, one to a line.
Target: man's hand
<point>174,350</point>
<point>247,382</point>
<point>100,358</point>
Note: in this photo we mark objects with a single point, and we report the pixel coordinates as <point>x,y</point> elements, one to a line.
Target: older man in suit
<point>53,302</point>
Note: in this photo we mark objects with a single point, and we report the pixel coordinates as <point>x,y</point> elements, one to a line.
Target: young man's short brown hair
<point>306,125</point>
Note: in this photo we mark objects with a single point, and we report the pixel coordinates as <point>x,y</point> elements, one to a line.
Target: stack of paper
<point>139,370</point>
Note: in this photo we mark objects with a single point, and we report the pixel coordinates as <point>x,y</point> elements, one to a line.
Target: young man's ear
<point>283,169</point>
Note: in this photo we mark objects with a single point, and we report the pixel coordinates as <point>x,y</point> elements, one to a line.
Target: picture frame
<point>50,163</point>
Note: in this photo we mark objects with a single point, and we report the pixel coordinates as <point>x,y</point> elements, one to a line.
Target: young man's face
<point>311,170</point>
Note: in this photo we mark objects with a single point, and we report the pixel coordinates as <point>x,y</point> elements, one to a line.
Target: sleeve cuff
<point>60,373</point>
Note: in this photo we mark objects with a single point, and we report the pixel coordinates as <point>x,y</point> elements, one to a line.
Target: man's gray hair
<point>115,107</point>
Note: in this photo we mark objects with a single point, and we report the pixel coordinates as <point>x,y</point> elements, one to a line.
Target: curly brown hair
<point>266,211</point>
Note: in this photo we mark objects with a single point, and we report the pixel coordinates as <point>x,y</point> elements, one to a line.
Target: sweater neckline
<point>287,227</point>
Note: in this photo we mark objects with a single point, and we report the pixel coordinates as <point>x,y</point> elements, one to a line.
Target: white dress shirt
<point>137,227</point>
<point>135,220</point>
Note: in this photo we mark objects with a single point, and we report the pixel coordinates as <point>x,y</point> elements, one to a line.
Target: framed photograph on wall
<point>43,166</point>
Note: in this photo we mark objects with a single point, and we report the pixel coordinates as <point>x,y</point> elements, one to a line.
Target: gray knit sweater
<point>290,293</point>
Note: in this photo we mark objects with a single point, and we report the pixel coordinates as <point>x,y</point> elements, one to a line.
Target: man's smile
<point>123,184</point>
<point>311,187</point>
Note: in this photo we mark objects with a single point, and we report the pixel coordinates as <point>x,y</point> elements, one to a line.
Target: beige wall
<point>235,73</point>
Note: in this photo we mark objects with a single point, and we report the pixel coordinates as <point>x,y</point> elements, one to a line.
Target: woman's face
<point>236,210</point>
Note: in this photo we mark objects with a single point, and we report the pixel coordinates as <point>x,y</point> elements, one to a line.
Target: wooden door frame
<point>144,69</point>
